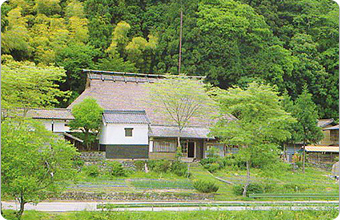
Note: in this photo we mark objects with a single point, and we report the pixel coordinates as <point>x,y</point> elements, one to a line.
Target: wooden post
<point>180,43</point>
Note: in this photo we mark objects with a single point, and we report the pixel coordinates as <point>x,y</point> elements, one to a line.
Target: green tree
<point>180,99</point>
<point>87,118</point>
<point>74,58</point>
<point>259,121</point>
<point>26,85</point>
<point>306,129</point>
<point>240,47</point>
<point>15,37</point>
<point>35,163</point>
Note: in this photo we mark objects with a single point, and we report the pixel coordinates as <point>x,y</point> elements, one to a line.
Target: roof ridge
<point>127,74</point>
<point>124,111</point>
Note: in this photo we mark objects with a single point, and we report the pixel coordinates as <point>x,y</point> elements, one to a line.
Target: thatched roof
<point>128,94</point>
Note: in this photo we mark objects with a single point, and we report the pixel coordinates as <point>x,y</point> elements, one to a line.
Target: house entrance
<point>191,149</point>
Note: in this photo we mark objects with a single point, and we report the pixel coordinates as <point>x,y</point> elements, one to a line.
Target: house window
<point>164,146</point>
<point>184,146</point>
<point>128,132</point>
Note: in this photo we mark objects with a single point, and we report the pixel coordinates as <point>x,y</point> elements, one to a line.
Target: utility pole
<point>180,42</point>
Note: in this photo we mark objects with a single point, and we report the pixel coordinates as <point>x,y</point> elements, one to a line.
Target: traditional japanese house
<point>132,127</point>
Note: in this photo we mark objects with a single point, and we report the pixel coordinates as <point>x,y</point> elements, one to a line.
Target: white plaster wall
<point>115,134</point>
<point>58,125</point>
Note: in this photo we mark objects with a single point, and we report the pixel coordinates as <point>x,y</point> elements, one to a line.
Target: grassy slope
<point>313,181</point>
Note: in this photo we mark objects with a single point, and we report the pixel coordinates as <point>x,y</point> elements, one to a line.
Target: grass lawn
<point>190,215</point>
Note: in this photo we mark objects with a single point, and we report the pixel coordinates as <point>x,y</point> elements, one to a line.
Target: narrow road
<point>226,205</point>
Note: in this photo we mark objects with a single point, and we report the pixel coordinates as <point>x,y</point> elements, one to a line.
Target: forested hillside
<point>288,43</point>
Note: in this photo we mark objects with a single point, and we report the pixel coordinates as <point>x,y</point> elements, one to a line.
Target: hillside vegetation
<point>285,43</point>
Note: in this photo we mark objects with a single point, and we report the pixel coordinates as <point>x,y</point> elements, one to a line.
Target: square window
<point>128,132</point>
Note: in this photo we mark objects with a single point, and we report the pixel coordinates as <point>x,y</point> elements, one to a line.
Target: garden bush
<point>205,186</point>
<point>213,167</point>
<point>159,166</point>
<point>116,168</point>
<point>252,188</point>
<point>180,169</point>
<point>213,152</point>
<point>208,161</point>
<point>78,163</point>
<point>213,164</point>
<point>230,161</point>
<point>164,166</point>
<point>139,164</point>
<point>92,170</point>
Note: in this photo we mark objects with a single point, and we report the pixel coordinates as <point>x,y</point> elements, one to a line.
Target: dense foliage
<point>164,166</point>
<point>285,43</point>
<point>26,85</point>
<point>87,118</point>
<point>259,124</point>
<point>34,162</point>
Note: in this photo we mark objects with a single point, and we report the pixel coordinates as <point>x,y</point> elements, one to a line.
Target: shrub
<point>213,164</point>
<point>212,167</point>
<point>252,188</point>
<point>208,161</point>
<point>139,164</point>
<point>116,168</point>
<point>159,166</point>
<point>205,186</point>
<point>213,152</point>
<point>78,163</point>
<point>180,169</point>
<point>229,161</point>
<point>92,170</point>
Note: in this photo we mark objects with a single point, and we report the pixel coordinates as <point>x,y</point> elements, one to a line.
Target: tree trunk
<point>179,148</point>
<point>248,179</point>
<point>86,139</point>
<point>285,155</point>
<point>22,207</point>
<point>304,156</point>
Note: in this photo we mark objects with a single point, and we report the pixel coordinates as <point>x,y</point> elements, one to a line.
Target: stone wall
<point>122,196</point>
<point>93,156</point>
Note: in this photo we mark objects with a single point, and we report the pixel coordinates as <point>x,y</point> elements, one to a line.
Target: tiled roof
<point>125,117</point>
<point>57,113</point>
<point>172,131</point>
<point>324,122</point>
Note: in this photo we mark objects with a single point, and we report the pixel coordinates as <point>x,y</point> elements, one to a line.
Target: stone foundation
<point>93,156</point>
